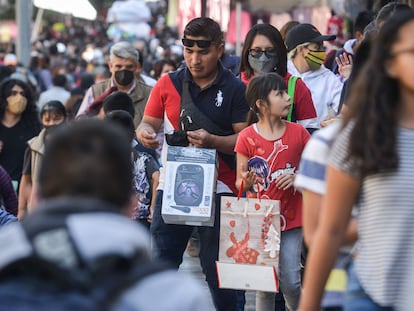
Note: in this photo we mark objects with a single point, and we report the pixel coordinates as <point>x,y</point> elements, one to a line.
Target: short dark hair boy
<point>93,160</point>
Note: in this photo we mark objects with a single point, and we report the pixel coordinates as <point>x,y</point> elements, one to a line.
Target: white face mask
<point>263,64</point>
<point>16,104</point>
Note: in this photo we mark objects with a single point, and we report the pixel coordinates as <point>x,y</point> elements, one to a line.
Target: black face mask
<point>124,77</point>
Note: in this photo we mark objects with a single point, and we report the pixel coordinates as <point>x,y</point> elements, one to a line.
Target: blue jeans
<point>289,267</point>
<point>170,241</point>
<point>289,273</point>
<point>356,298</point>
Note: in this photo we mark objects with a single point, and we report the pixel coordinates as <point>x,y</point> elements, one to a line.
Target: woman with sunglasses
<point>264,51</point>
<point>19,123</point>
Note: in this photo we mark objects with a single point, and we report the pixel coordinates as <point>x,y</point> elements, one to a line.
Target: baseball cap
<point>303,33</point>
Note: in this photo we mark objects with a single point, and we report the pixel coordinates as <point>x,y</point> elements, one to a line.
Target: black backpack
<point>35,284</point>
<point>31,282</point>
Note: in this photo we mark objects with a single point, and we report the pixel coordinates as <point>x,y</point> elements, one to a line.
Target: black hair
<point>86,81</point>
<point>375,104</point>
<point>140,57</point>
<point>158,65</point>
<point>362,20</point>
<point>118,101</point>
<point>88,158</point>
<point>389,10</point>
<point>55,107</point>
<point>123,119</point>
<point>275,38</point>
<point>259,88</point>
<point>30,117</point>
<point>59,80</point>
<point>5,72</point>
<point>358,61</point>
<point>204,27</point>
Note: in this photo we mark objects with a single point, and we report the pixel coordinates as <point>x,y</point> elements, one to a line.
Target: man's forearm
<point>224,144</point>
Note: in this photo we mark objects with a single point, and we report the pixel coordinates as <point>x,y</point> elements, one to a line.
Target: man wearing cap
<point>306,57</point>
<point>124,67</point>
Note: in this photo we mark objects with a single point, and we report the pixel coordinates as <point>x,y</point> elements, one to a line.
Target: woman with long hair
<point>371,163</point>
<point>264,51</point>
<point>19,123</point>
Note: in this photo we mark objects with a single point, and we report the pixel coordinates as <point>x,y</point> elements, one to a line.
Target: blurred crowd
<point>317,119</point>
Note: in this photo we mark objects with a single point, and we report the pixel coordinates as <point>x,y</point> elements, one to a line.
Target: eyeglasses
<point>257,53</point>
<point>203,44</point>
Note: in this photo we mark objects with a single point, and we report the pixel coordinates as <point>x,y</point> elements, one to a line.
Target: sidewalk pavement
<point>192,264</point>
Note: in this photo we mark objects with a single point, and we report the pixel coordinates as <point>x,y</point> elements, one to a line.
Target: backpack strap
<point>192,118</point>
<point>291,92</point>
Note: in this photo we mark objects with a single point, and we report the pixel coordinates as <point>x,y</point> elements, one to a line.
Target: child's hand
<point>249,178</point>
<point>285,181</point>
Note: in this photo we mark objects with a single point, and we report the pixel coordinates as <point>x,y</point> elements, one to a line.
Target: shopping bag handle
<point>239,195</point>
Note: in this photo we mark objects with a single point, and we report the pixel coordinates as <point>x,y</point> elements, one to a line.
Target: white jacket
<point>325,88</point>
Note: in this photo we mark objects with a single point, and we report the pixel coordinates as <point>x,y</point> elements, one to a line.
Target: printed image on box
<point>190,183</point>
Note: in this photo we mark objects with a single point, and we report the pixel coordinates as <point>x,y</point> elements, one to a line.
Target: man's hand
<point>148,137</point>
<point>200,138</point>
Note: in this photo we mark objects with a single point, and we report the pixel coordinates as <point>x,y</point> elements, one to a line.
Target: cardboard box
<point>190,185</point>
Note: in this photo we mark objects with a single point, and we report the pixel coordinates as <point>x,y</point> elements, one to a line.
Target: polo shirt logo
<point>219,98</point>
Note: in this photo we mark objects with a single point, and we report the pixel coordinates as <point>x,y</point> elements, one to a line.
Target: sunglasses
<point>257,53</point>
<point>203,44</point>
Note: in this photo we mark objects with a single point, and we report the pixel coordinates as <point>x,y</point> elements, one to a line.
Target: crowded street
<point>206,155</point>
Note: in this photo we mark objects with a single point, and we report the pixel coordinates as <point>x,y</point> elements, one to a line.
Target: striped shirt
<point>385,220</point>
<point>311,175</point>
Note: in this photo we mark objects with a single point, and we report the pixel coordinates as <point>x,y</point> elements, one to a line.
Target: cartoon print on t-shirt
<point>263,167</point>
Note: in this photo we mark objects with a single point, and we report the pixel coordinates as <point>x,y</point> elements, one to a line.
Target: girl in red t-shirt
<point>268,155</point>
